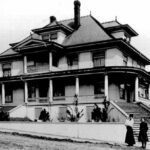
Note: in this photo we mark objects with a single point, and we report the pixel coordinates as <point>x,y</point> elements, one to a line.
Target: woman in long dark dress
<point>143,133</point>
<point>129,134</point>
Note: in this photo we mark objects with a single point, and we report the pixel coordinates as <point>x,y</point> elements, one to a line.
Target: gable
<point>30,43</point>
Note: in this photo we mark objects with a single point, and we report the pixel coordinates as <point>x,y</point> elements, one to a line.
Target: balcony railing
<point>67,99</point>
<point>38,100</point>
<point>33,69</point>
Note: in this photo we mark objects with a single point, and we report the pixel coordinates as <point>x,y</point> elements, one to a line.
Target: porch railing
<point>32,69</point>
<point>68,99</point>
<point>39,100</point>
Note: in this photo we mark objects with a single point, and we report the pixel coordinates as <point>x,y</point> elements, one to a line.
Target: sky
<point>19,17</point>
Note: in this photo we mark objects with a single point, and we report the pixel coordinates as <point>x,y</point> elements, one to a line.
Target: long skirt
<point>143,136</point>
<point>129,136</point>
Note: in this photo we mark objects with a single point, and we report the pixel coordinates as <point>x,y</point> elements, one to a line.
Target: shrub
<point>75,115</point>
<point>44,116</point>
<point>4,116</point>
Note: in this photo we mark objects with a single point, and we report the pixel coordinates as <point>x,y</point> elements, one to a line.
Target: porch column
<point>25,64</point>
<point>136,88</point>
<point>50,90</point>
<point>77,86</point>
<point>3,94</point>
<point>26,92</point>
<point>106,86</point>
<point>50,61</point>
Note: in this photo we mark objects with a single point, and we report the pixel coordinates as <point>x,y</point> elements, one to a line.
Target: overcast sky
<point>19,17</point>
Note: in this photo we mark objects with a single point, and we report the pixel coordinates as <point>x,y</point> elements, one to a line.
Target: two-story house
<point>78,56</point>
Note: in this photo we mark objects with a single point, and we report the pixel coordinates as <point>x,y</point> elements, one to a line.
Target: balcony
<point>34,69</point>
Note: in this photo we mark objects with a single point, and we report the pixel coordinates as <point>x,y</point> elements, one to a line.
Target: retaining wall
<point>112,132</point>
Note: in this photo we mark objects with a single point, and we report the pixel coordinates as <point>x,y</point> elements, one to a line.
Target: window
<point>99,59</point>
<point>31,91</point>
<point>8,94</point>
<point>45,37</point>
<point>59,89</point>
<point>43,89</point>
<point>99,88</point>
<point>53,36</point>
<point>122,91</point>
<point>6,70</point>
<point>72,60</point>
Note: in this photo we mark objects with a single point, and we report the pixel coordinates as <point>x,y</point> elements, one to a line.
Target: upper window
<point>53,36</point>
<point>72,60</point>
<point>99,59</point>
<point>6,70</point>
<point>45,37</point>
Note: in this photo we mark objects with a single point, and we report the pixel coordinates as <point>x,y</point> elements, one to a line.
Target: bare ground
<point>18,142</point>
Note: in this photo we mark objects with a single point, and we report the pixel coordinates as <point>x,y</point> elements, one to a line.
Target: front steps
<point>138,112</point>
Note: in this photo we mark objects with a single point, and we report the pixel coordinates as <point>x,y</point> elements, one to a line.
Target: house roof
<point>9,51</point>
<point>89,31</point>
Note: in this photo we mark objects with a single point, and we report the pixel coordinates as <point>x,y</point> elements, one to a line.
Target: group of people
<point>143,138</point>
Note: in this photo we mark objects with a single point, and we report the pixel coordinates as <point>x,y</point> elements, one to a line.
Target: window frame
<point>99,59</point>
<point>6,69</point>
<point>73,60</point>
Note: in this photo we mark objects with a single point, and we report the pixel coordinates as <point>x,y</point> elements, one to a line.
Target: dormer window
<point>53,36</point>
<point>50,37</point>
<point>45,37</point>
<point>6,70</point>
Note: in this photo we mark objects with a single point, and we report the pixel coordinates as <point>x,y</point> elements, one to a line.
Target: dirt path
<point>16,142</point>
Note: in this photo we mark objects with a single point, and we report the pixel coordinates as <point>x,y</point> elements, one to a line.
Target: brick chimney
<point>52,19</point>
<point>77,14</point>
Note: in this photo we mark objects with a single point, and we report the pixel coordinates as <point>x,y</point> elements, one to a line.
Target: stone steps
<point>138,112</point>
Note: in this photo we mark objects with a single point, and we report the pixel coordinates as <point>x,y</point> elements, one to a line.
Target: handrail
<point>121,110</point>
<point>144,106</point>
<point>15,108</point>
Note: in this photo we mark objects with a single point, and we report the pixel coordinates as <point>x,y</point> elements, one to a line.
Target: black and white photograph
<point>74,75</point>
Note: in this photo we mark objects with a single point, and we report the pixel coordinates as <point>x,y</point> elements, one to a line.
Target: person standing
<point>129,134</point>
<point>143,133</point>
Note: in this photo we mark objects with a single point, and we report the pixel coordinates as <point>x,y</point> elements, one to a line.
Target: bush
<point>74,116</point>
<point>4,116</point>
<point>44,116</point>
